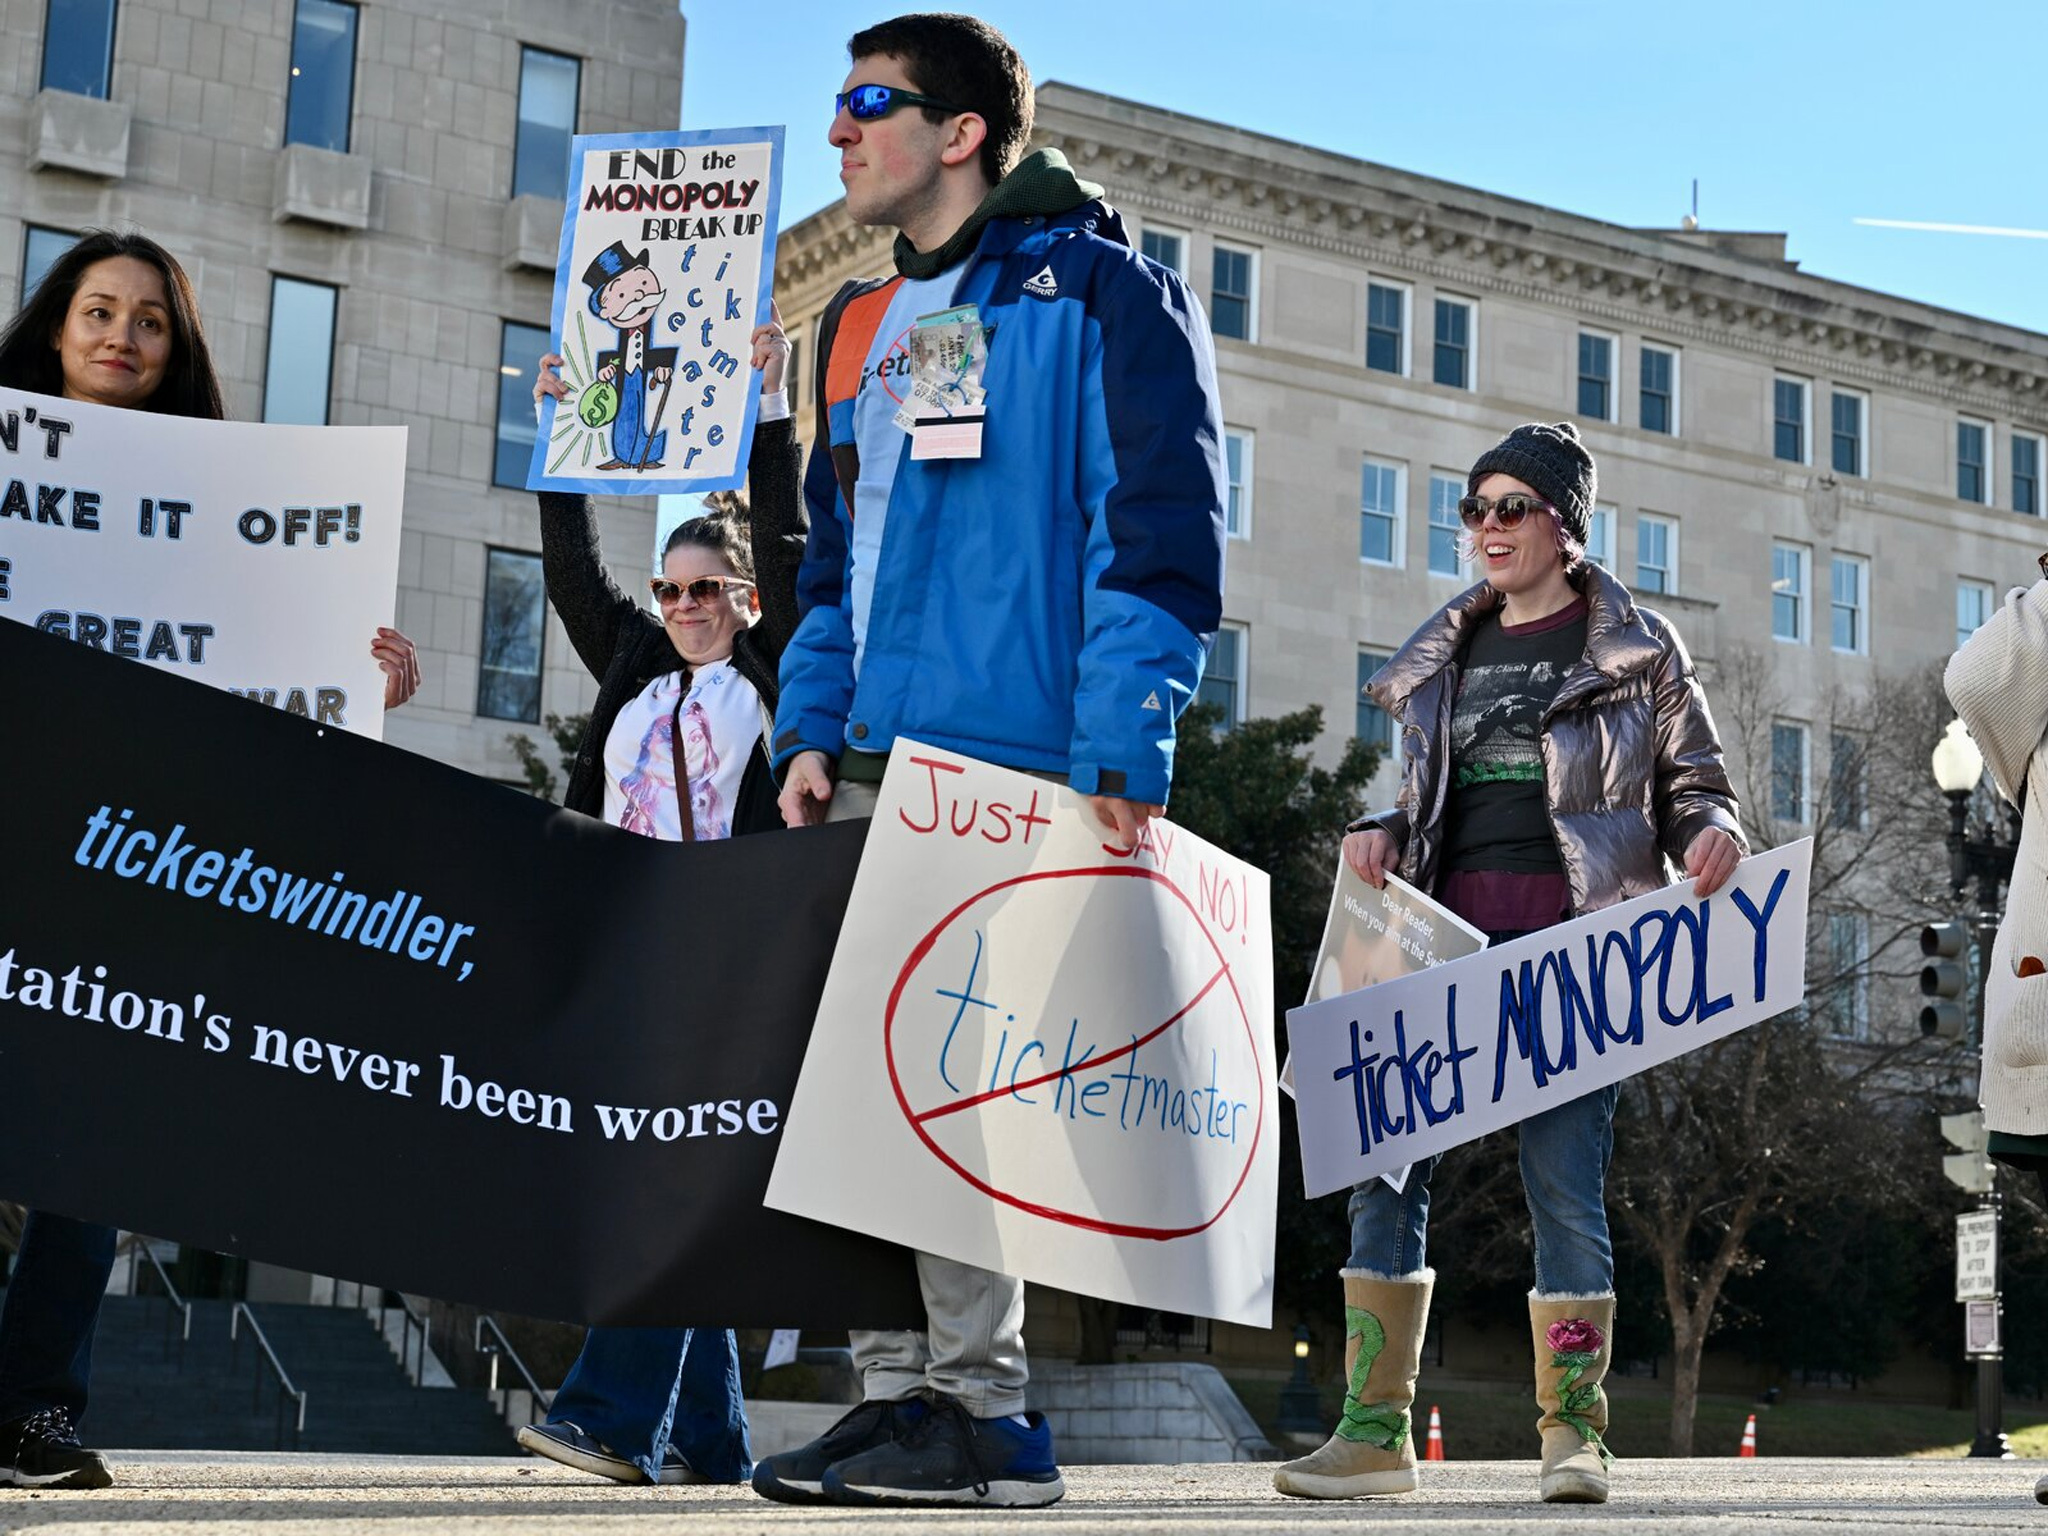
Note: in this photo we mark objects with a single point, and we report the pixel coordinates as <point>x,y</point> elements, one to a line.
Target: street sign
<point>1980,1328</point>
<point>1976,1255</point>
<point>1969,1169</point>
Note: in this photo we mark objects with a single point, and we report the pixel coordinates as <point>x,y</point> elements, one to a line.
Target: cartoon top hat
<point>608,264</point>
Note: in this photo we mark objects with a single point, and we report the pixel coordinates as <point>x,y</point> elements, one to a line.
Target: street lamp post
<point>1299,1411</point>
<point>1987,861</point>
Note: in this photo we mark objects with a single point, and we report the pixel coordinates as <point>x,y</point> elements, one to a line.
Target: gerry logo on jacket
<point>1044,285</point>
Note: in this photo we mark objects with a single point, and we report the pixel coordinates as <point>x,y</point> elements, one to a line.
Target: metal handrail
<point>139,1249</point>
<point>503,1347</point>
<point>284,1381</point>
<point>413,1320</point>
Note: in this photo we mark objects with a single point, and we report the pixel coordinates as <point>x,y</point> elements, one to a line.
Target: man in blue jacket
<point>1042,599</point>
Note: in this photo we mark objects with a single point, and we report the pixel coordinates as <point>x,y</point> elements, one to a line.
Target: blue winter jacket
<point>1048,605</point>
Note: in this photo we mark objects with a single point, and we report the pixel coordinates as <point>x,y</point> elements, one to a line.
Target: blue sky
<point>1800,116</point>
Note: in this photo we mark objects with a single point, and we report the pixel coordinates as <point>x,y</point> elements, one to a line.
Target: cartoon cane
<point>654,427</point>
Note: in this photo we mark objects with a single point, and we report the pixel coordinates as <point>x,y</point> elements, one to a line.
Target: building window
<point>1974,602</point>
<point>519,351</point>
<point>298,373</point>
<point>1659,390</point>
<point>1223,674</point>
<point>1596,376</point>
<point>1375,726</point>
<point>39,252</point>
<point>1973,459</point>
<point>1444,527</point>
<point>1848,989</point>
<point>515,620</point>
<point>1656,554</point>
<point>1386,328</point>
<point>1788,419</point>
<point>2026,473</point>
<point>1851,604</point>
<point>322,96</point>
<point>1847,415</point>
<point>1233,275</point>
<point>1788,770</point>
<point>1379,512</point>
<point>1453,366</point>
<point>78,47</point>
<point>1168,247</point>
<point>1848,782</point>
<point>548,86</point>
<point>1600,535</point>
<point>1237,459</point>
<point>1788,592</point>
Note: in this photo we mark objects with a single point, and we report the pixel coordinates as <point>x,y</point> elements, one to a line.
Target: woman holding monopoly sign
<point>1557,758</point>
<point>114,322</point>
<point>677,750</point>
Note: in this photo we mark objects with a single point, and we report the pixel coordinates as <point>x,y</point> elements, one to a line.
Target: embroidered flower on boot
<point>1574,1336</point>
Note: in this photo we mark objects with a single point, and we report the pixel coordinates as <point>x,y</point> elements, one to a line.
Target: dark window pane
<point>1848,435</point>
<point>323,75</point>
<point>1656,393</point>
<point>1219,685</point>
<point>1788,409</point>
<point>508,675</point>
<point>1596,377</point>
<point>1383,327</point>
<point>2026,475</point>
<point>1163,247</point>
<point>39,250</point>
<point>78,46</point>
<point>1453,344</point>
<point>547,121</point>
<point>1374,725</point>
<point>298,374</point>
<point>1230,298</point>
<point>1969,461</point>
<point>518,356</point>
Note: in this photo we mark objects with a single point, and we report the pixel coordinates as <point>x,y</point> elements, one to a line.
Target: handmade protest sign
<point>668,248</point>
<point>1412,1066</point>
<point>1052,1056</point>
<point>273,990</point>
<point>260,559</point>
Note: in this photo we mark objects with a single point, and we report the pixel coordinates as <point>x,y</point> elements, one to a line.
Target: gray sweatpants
<point>972,1348</point>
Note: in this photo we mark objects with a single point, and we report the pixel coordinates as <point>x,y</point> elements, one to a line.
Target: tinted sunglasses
<point>865,103</point>
<point>704,590</point>
<point>1508,511</point>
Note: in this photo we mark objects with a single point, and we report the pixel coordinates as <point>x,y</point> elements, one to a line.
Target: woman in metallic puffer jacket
<point>1557,757</point>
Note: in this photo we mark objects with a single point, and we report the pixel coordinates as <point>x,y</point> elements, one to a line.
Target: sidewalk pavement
<point>173,1493</point>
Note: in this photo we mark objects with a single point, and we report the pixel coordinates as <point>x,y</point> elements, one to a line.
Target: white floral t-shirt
<point>718,722</point>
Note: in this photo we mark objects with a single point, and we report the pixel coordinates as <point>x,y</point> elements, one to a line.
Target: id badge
<point>948,403</point>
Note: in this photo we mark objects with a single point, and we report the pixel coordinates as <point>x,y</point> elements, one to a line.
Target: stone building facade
<point>373,193</point>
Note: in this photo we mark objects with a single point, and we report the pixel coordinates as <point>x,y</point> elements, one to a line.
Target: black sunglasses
<point>1508,511</point>
<point>865,103</point>
<point>704,590</point>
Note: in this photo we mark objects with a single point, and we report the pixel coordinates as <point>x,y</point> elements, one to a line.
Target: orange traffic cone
<point>1748,1438</point>
<point>1435,1452</point>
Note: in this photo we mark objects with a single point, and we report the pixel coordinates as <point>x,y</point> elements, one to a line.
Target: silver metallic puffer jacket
<point>1631,761</point>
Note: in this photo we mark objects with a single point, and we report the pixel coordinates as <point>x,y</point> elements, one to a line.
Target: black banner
<point>287,993</point>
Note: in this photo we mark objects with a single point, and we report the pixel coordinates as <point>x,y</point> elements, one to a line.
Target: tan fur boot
<point>1574,1337</point>
<point>1372,1450</point>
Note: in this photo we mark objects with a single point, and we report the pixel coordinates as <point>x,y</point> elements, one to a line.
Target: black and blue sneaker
<point>797,1477</point>
<point>951,1457</point>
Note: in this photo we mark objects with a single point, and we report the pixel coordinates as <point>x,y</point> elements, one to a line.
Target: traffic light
<point>1969,1168</point>
<point>1944,981</point>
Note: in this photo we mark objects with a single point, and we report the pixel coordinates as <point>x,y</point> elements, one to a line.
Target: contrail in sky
<point>1956,229</point>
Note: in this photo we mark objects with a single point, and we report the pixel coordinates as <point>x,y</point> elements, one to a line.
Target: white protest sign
<point>1408,1068</point>
<point>668,248</point>
<point>260,559</point>
<point>1042,1055</point>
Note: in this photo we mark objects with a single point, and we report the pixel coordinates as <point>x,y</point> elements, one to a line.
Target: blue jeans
<point>640,1390</point>
<point>1565,1152</point>
<point>53,1305</point>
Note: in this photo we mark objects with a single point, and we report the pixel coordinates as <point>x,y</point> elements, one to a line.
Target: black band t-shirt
<point>1497,816</point>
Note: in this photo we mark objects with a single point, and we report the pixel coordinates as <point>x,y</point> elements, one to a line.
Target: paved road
<point>219,1494</point>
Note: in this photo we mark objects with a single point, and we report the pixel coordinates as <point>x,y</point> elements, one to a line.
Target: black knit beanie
<point>1553,463</point>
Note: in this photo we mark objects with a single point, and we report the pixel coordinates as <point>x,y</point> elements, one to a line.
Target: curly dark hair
<point>963,60</point>
<point>190,386</point>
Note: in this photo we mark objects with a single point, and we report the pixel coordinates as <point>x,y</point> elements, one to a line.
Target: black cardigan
<point>626,647</point>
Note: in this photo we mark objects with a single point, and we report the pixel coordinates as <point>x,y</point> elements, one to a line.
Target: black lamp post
<point>1299,1413</point>
<point>1987,860</point>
